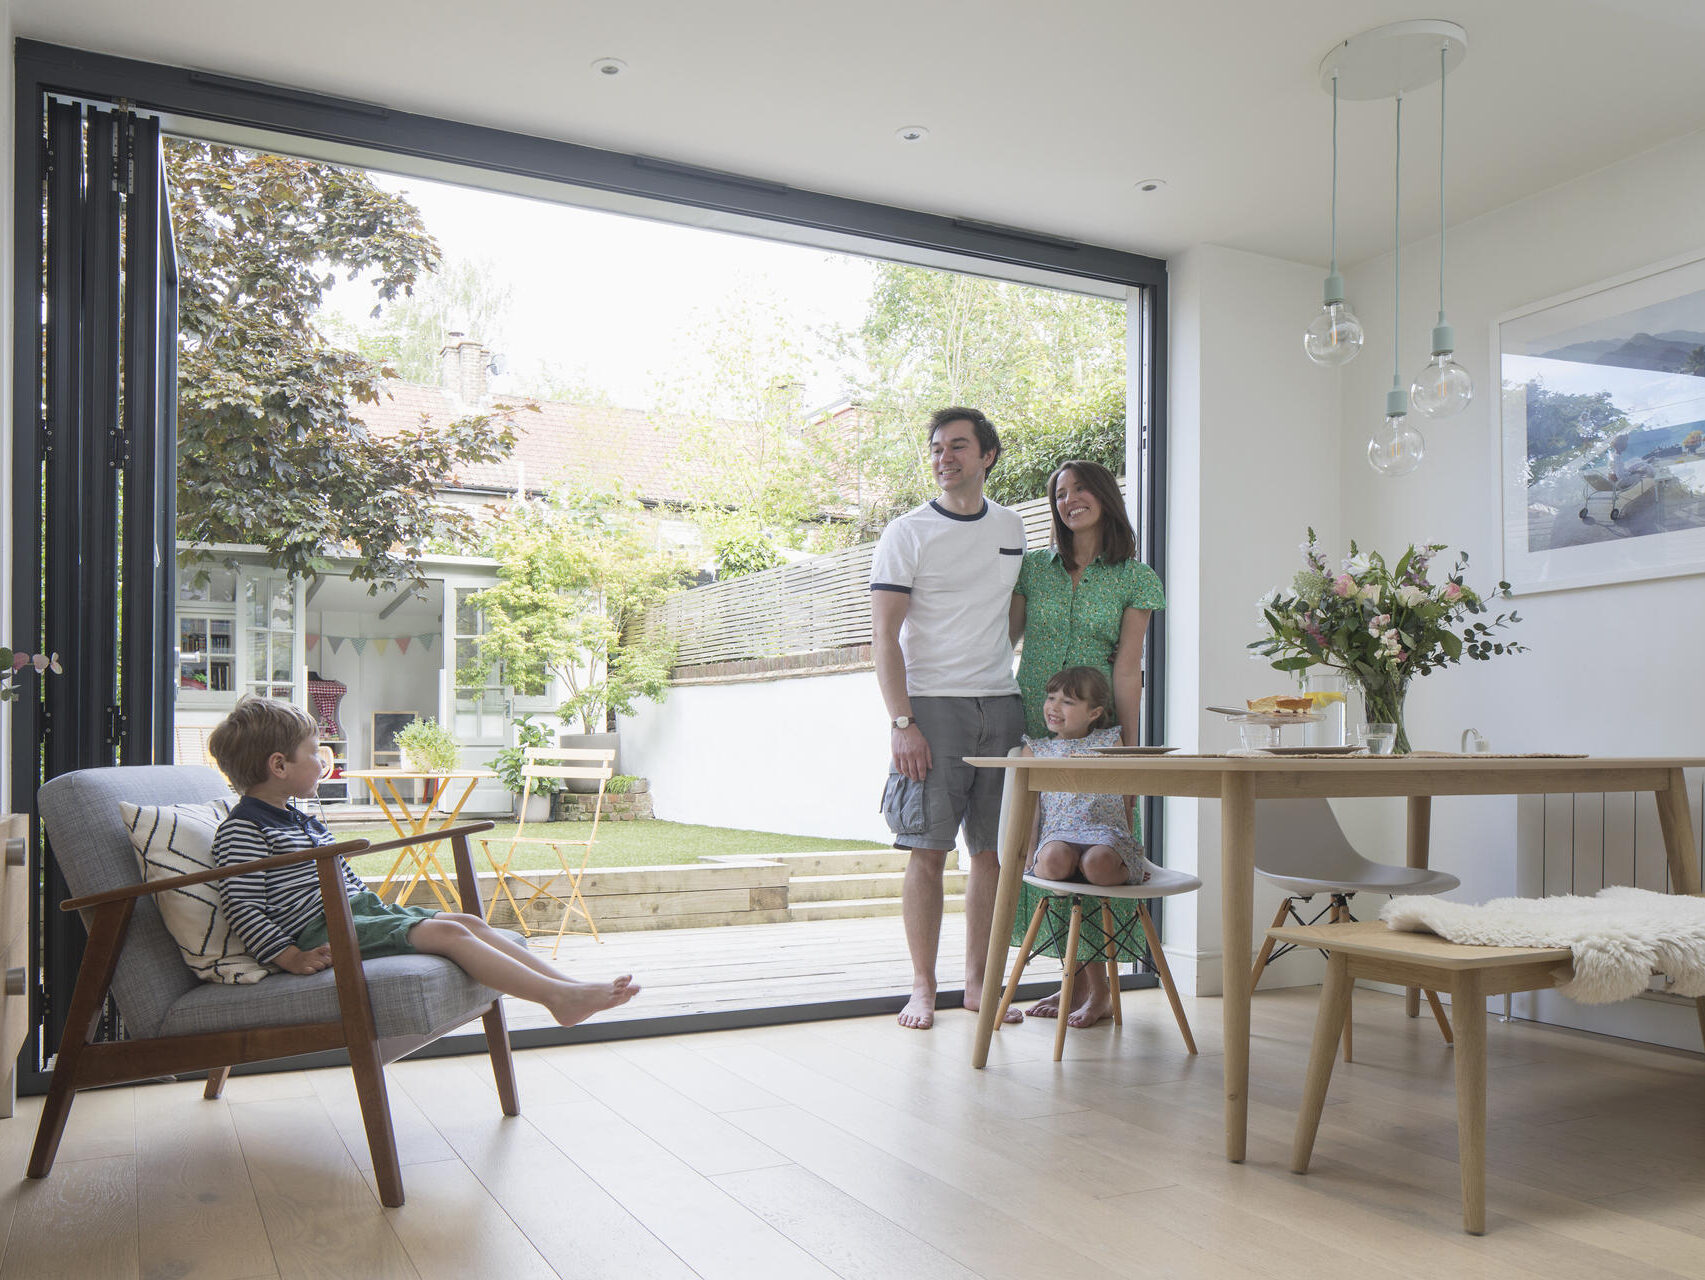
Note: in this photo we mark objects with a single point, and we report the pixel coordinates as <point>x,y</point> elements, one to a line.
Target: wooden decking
<point>758,966</point>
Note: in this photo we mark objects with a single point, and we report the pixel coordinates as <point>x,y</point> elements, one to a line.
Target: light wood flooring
<point>855,1149</point>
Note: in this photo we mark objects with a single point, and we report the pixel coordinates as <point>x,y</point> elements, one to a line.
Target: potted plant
<point>427,746</point>
<point>509,762</point>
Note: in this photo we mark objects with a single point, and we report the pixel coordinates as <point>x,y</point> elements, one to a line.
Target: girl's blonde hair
<point>1088,686</point>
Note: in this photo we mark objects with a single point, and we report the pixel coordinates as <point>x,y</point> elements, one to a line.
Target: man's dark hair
<point>988,440</point>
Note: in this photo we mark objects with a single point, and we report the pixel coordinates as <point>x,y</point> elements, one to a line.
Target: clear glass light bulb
<point>1396,448</point>
<point>1334,335</point>
<point>1442,388</point>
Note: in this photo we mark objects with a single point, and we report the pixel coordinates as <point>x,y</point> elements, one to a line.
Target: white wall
<point>7,149</point>
<point>1252,445</point>
<point>1642,211</point>
<point>806,756</point>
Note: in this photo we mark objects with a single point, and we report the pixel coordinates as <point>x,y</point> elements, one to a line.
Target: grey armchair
<point>378,1010</point>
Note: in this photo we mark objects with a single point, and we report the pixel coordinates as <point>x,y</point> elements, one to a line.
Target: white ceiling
<point>1042,113</point>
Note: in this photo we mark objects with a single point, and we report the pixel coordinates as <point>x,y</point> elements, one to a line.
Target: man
<point>940,591</point>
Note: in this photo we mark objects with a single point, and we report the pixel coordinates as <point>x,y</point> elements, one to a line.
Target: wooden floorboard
<point>854,1149</point>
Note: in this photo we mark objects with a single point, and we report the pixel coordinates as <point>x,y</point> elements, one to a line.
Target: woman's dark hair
<point>1088,686</point>
<point>1118,539</point>
<point>988,440</point>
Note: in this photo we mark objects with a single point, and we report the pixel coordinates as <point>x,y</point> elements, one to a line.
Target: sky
<point>619,304</point>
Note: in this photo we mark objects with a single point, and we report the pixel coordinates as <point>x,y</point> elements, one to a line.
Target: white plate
<point>1133,751</point>
<point>1311,751</point>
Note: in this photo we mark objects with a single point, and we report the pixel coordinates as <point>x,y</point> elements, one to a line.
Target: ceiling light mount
<point>1399,57</point>
<point>609,66</point>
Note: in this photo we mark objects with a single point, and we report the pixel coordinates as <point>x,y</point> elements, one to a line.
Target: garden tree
<point>271,451</point>
<point>462,295</point>
<point>576,570</point>
<point>1563,428</point>
<point>1047,367</point>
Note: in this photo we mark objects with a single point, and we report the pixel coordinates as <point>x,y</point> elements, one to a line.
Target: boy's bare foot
<point>919,1013</point>
<point>580,1000</point>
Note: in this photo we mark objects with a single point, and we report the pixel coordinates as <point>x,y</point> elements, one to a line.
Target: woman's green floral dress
<point>1066,626</point>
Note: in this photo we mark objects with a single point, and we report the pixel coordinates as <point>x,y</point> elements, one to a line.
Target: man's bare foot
<point>580,1000</point>
<point>973,1002</point>
<point>919,1013</point>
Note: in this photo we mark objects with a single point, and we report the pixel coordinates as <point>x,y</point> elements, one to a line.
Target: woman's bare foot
<point>580,1000</point>
<point>919,1013</point>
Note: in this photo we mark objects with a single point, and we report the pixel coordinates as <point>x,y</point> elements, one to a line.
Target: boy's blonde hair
<point>1088,686</point>
<point>256,728</point>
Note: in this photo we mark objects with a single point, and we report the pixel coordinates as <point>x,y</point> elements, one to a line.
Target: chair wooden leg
<point>1328,1028</point>
<point>1065,1010</point>
<point>216,1082</point>
<point>1468,1009</point>
<point>1439,1016</point>
<point>1025,951</point>
<point>1338,913</point>
<point>502,1061</point>
<point>100,960</point>
<point>1152,936</point>
<point>1267,945</point>
<point>1112,962</point>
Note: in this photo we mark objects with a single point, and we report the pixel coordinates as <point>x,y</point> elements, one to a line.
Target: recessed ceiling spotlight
<point>609,66</point>
<point>911,133</point>
<point>1149,185</point>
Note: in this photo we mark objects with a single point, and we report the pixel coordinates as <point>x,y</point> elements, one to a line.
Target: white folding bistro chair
<point>559,763</point>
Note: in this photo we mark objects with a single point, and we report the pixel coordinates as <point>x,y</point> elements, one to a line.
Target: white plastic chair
<point>1163,882</point>
<point>1300,847</point>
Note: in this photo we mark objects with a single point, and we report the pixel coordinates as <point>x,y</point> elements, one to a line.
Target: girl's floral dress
<point>1086,819</point>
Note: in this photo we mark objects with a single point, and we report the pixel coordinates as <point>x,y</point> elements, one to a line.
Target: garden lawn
<point>620,844</point>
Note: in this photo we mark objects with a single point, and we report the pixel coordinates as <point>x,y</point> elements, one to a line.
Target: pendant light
<point>1334,336</point>
<point>1396,448</point>
<point>1443,387</point>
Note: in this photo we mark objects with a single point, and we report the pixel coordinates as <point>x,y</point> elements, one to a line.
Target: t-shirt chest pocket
<point>1009,562</point>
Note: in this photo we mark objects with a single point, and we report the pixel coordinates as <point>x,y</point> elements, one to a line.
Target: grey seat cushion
<point>411,995</point>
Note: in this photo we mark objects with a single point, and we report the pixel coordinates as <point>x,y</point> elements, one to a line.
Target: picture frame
<point>1601,431</point>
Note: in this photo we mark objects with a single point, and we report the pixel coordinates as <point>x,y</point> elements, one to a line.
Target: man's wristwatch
<point>903,722</point>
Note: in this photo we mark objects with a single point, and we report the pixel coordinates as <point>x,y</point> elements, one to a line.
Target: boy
<point>268,750</point>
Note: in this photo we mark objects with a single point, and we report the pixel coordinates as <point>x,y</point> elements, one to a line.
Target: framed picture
<point>1602,431</point>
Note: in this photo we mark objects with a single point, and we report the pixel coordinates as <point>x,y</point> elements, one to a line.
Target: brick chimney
<point>464,363</point>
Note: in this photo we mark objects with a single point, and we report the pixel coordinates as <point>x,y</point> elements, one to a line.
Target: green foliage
<point>1091,429</point>
<point>428,746</point>
<point>270,452</point>
<point>576,570</point>
<point>740,552</point>
<point>620,784</point>
<point>463,295</point>
<point>509,762</point>
<point>1562,429</point>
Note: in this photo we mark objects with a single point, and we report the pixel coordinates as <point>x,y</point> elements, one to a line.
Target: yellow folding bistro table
<point>1237,782</point>
<point>405,821</point>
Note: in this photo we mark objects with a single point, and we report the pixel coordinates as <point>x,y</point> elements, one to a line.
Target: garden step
<point>843,862</point>
<point>881,884</point>
<point>852,908</point>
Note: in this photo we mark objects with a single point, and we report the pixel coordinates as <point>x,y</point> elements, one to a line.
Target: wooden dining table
<point>1238,781</point>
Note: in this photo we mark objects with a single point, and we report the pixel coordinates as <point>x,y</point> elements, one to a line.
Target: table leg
<point>1420,831</point>
<point>1013,839</point>
<point>1237,907</point>
<point>1679,849</point>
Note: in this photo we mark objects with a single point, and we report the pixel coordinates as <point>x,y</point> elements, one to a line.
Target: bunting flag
<point>382,643</point>
<point>360,643</point>
<point>402,643</point>
<point>427,639</point>
<point>312,641</point>
<point>336,642</point>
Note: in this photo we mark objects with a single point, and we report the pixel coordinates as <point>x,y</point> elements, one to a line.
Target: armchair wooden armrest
<point>212,873</point>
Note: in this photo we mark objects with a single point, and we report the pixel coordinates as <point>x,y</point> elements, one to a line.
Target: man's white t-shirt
<point>959,572</point>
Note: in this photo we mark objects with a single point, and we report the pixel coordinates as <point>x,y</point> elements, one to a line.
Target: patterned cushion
<point>176,840</point>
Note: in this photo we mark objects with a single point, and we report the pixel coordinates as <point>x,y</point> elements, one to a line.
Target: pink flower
<point>1343,585</point>
<point>1452,591</point>
<point>20,661</point>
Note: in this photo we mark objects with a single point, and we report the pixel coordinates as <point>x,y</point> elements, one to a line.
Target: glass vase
<point>1383,704</point>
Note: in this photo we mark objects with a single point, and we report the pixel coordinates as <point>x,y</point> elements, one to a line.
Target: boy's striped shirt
<point>268,909</point>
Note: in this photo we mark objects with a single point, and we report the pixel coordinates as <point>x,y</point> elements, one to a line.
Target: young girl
<point>1087,835</point>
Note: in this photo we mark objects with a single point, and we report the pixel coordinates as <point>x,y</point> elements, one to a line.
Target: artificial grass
<point>620,844</point>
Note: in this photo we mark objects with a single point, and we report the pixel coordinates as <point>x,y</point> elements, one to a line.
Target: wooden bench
<point>1469,974</point>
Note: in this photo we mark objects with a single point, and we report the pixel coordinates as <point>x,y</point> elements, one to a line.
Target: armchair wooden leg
<point>216,1082</point>
<point>1112,962</point>
<point>1152,936</point>
<point>1065,1010</point>
<point>1439,1016</point>
<point>1025,951</point>
<point>502,1061</point>
<point>1328,1028</point>
<point>100,960</point>
<point>1267,945</point>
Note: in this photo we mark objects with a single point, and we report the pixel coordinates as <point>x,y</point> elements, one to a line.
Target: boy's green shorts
<point>381,929</point>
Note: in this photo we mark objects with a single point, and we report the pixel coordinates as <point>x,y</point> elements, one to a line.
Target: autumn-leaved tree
<point>271,449</point>
<point>576,570</point>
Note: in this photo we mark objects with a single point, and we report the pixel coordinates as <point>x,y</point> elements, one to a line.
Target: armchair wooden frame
<point>85,1065</point>
<point>584,763</point>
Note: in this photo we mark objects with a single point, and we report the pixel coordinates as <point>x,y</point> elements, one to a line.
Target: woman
<point>1084,602</point>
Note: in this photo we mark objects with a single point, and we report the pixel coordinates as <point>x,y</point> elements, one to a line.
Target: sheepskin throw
<point>1620,936</point>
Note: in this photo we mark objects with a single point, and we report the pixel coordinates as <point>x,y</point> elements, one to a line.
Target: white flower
<point>1411,595</point>
<point>1369,593</point>
<point>1357,565</point>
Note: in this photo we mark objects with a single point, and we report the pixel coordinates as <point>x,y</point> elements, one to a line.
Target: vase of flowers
<point>1381,624</point>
